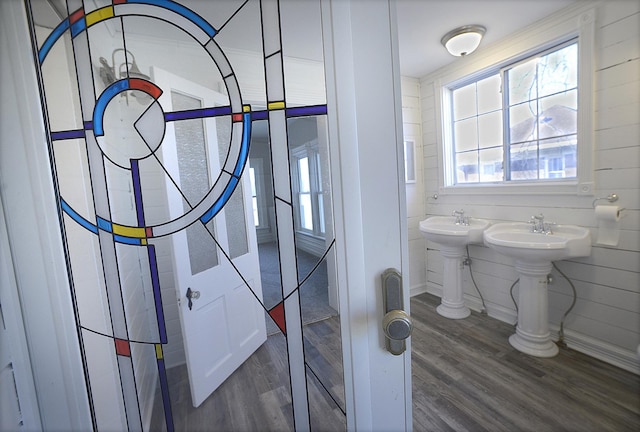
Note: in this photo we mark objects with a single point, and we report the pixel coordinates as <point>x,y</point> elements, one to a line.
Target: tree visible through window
<point>537,100</point>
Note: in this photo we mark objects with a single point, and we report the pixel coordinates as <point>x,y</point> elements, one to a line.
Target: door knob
<point>396,323</point>
<point>192,295</point>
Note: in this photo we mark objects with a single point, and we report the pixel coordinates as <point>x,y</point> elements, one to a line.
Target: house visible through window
<point>518,123</point>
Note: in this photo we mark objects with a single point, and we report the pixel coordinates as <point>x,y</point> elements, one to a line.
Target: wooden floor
<point>257,396</point>
<point>466,377</point>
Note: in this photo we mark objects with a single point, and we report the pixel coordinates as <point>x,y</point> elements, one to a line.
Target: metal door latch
<point>192,295</point>
<point>396,323</point>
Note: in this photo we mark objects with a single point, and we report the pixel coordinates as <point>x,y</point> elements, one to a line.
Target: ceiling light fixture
<point>463,40</point>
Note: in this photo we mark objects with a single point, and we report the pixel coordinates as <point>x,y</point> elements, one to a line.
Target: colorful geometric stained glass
<point>116,233</point>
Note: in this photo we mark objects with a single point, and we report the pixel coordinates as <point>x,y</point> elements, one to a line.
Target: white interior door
<point>223,322</point>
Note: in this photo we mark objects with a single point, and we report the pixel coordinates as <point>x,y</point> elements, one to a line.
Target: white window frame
<point>312,152</point>
<point>258,170</point>
<point>545,35</point>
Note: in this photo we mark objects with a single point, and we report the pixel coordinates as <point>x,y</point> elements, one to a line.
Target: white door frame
<point>365,120</point>
<point>34,234</point>
<point>364,90</point>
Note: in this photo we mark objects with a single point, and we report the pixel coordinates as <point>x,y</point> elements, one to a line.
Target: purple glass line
<point>151,252</point>
<point>166,402</point>
<point>70,134</point>
<point>197,113</point>
<point>259,115</point>
<point>310,110</point>
<point>157,295</point>
<point>137,191</point>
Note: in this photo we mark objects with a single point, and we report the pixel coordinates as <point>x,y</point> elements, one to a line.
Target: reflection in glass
<point>467,167</point>
<point>524,161</point>
<point>523,83</point>
<point>118,172</point>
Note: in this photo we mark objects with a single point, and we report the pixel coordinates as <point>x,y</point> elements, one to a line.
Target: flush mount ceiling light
<point>463,40</point>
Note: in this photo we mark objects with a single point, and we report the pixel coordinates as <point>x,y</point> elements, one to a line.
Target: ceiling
<point>422,23</point>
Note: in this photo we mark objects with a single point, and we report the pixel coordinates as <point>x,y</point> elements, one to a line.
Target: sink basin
<point>516,240</point>
<point>534,254</point>
<point>453,238</point>
<point>444,231</point>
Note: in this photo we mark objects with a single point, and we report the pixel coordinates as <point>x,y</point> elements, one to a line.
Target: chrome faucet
<point>461,219</point>
<point>538,225</point>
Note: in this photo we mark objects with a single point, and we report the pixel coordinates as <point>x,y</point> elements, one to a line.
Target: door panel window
<point>141,164</point>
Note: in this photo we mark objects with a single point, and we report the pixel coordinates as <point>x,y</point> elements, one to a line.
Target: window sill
<point>521,188</point>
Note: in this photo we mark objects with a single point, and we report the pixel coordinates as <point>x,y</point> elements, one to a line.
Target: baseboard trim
<point>628,360</point>
<point>608,353</point>
<point>419,289</point>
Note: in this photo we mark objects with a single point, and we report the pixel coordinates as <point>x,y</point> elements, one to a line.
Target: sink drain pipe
<point>468,262</point>
<point>561,341</point>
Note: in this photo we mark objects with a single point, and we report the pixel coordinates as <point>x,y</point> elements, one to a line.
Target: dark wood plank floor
<point>257,396</point>
<point>466,377</point>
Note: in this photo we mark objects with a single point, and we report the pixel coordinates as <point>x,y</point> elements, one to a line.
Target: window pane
<point>558,71</point>
<point>303,173</point>
<point>523,122</point>
<point>542,103</point>
<point>524,161</point>
<point>319,171</point>
<point>522,82</point>
<point>467,167</point>
<point>491,165</point>
<point>236,222</point>
<point>321,212</point>
<point>464,102</point>
<point>256,219</point>
<point>489,96</point>
<point>466,134</point>
<point>490,130</point>
<point>306,215</point>
<point>252,180</point>
<point>191,149</point>
<point>559,114</point>
<point>558,157</point>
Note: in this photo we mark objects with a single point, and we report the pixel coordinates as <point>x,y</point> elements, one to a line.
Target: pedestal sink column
<point>532,333</point>
<point>452,303</point>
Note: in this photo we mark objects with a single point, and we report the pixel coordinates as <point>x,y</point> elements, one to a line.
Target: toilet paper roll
<point>608,218</point>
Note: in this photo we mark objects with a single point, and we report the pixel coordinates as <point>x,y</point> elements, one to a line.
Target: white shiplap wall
<point>605,321</point>
<point>415,192</point>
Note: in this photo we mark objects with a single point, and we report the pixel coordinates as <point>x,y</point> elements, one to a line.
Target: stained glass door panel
<point>156,200</point>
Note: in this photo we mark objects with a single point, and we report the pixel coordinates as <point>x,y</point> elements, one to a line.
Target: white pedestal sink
<point>533,253</point>
<point>453,238</point>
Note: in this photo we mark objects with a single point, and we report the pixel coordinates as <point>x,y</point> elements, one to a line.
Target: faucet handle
<point>546,227</point>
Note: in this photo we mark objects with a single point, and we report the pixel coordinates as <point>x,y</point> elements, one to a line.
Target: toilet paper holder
<point>611,198</point>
